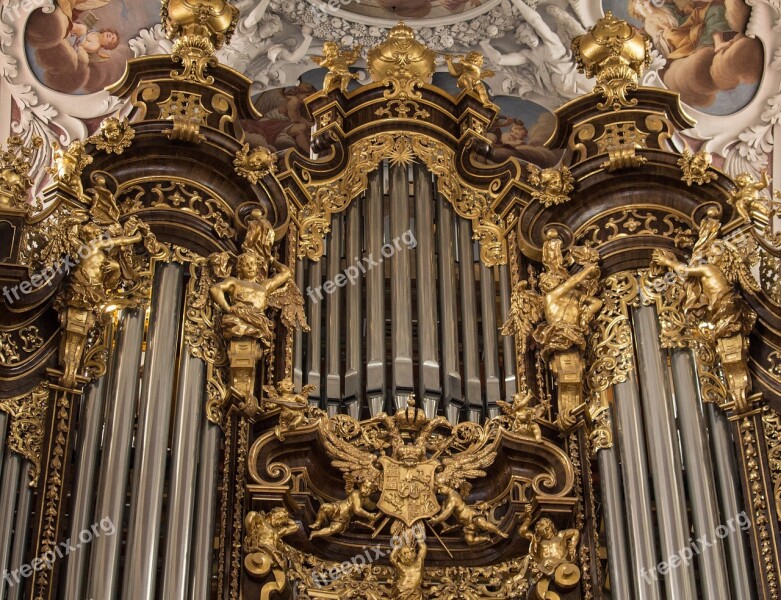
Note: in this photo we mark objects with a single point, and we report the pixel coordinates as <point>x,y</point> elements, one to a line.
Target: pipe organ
<point>394,367</point>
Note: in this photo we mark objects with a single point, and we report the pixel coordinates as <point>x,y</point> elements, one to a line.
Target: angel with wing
<point>294,405</point>
<point>711,280</point>
<point>470,73</point>
<point>338,63</point>
<point>452,481</point>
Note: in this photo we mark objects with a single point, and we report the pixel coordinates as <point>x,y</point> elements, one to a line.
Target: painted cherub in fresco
<point>90,45</point>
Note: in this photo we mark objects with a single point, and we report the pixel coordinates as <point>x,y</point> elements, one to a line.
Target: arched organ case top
<point>247,394</point>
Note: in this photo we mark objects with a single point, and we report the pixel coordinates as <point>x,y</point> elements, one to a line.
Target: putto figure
<point>473,519</point>
<point>338,515</point>
<point>748,202</point>
<point>553,552</point>
<point>294,406</point>
<point>338,63</point>
<point>470,74</point>
<point>409,571</point>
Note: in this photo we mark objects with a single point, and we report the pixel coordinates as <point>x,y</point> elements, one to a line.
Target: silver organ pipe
<point>314,338</point>
<point>430,386</point>
<point>493,386</point>
<point>20,530</point>
<point>203,534</point>
<point>453,400</point>
<point>401,287</point>
<point>375,296</point>
<point>508,342</point>
<point>468,312</point>
<point>12,467</point>
<point>333,321</point>
<point>298,337</point>
<point>157,392</point>
<point>353,372</point>
<point>115,459</point>
<point>190,402</point>
<point>84,495</point>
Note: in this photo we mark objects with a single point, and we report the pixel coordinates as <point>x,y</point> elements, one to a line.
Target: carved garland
<point>336,195</point>
<point>25,431</point>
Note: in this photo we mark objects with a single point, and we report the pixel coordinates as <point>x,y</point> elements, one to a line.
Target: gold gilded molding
<point>188,115</point>
<point>615,53</point>
<point>621,141</point>
<point>68,164</point>
<point>365,155</point>
<point>771,422</point>
<point>695,167</point>
<point>15,166</point>
<point>114,136</point>
<point>26,427</point>
<point>552,186</point>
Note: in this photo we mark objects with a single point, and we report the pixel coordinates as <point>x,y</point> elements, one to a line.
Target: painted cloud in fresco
<point>710,61</point>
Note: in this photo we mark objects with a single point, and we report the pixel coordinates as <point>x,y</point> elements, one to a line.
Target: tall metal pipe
<point>714,583</point>
<point>115,459</point>
<point>3,435</point>
<point>615,521</point>
<point>353,372</point>
<point>637,492</point>
<point>298,336</point>
<point>83,511</point>
<point>20,531</point>
<point>190,402</point>
<point>333,321</point>
<point>471,356</point>
<point>508,342</point>
<point>315,336</point>
<point>493,385</point>
<point>451,390</point>
<point>375,295</point>
<point>12,467</point>
<point>739,559</point>
<point>203,544</point>
<point>430,385</point>
<point>157,391</point>
<point>663,452</point>
<point>401,286</point>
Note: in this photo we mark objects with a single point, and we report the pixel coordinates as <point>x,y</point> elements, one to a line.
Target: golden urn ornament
<point>401,61</point>
<point>615,53</point>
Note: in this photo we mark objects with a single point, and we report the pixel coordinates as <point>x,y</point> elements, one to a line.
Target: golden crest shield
<point>408,493</point>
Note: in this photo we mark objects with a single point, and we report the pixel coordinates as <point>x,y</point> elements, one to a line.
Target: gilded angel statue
<point>521,416</point>
<point>748,202</point>
<point>338,62</point>
<point>335,517</point>
<point>294,405</point>
<point>470,74</point>
<point>549,548</point>
<point>409,566</point>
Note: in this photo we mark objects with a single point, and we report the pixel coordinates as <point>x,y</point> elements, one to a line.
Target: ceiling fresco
<point>723,56</point>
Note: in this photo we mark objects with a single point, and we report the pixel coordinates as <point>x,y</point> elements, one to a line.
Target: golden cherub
<point>549,547</point>
<point>553,185</point>
<point>114,135</point>
<point>523,418</point>
<point>472,519</point>
<point>263,539</point>
<point>339,514</point>
<point>409,571</point>
<point>294,405</point>
<point>695,167</point>
<point>747,200</point>
<point>470,74</point>
<point>68,164</point>
<point>338,63</point>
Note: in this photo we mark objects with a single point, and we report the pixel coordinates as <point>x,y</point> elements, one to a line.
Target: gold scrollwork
<point>400,148</point>
<point>631,222</point>
<point>621,141</point>
<point>15,167</point>
<point>188,115</point>
<point>771,422</point>
<point>26,427</point>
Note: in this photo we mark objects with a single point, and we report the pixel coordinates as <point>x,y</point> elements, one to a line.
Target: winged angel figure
<point>410,460</point>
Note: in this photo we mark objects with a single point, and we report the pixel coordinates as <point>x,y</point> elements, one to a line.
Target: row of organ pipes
<point>420,315</point>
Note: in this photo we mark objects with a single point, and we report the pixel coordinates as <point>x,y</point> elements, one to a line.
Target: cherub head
<point>474,58</point>
<point>278,516</point>
<point>518,129</point>
<point>701,161</point>
<point>109,38</point>
<point>330,49</point>
<point>545,528</point>
<point>525,34</point>
<point>286,386</point>
<point>248,266</point>
<point>91,232</point>
<point>367,488</point>
<point>111,129</point>
<point>407,556</point>
<point>744,179</point>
